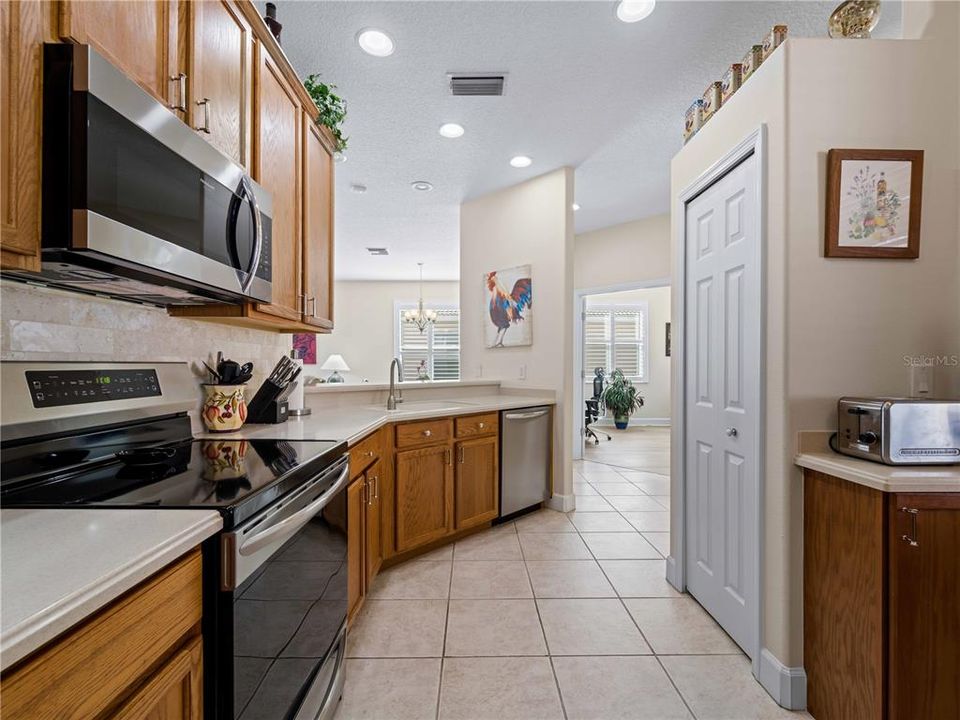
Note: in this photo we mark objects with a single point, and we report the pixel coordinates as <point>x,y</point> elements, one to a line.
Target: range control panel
<point>75,387</point>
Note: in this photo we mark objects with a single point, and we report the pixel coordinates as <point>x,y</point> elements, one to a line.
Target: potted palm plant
<point>621,398</point>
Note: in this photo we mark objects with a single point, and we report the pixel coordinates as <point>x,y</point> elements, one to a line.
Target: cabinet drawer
<point>365,453</point>
<point>427,432</point>
<point>474,425</point>
<point>84,672</point>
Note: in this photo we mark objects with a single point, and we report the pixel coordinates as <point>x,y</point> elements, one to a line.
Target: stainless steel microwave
<point>135,203</point>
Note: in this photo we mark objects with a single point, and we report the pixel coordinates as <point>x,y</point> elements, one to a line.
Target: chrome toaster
<point>899,431</point>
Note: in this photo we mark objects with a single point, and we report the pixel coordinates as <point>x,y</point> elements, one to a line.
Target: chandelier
<point>420,317</point>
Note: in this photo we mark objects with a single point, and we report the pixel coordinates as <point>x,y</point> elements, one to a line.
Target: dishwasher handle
<point>525,415</point>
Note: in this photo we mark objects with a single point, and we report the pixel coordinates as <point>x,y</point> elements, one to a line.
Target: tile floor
<point>551,616</point>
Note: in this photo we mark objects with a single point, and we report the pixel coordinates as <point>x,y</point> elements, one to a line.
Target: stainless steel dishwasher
<point>525,458</point>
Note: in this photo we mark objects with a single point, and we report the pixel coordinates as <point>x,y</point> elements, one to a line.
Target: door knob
<point>731,432</point>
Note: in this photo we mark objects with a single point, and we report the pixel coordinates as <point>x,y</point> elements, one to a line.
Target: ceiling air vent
<point>476,84</point>
<point>378,251</point>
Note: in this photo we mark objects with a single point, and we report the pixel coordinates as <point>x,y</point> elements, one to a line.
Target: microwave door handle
<point>257,234</point>
<point>292,524</point>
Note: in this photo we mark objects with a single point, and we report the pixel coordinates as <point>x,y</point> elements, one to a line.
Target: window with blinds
<point>438,345</point>
<point>615,337</point>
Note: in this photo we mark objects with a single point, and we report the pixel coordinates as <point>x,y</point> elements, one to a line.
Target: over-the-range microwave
<point>135,203</point>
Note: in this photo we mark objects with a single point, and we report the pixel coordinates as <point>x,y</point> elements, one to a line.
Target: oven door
<point>284,575</point>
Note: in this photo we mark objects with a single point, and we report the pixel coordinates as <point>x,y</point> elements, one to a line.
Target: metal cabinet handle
<point>448,457</point>
<point>205,103</point>
<point>460,460</point>
<point>313,307</point>
<point>376,487</point>
<point>181,80</point>
<point>732,432</point>
<point>427,433</point>
<point>911,539</point>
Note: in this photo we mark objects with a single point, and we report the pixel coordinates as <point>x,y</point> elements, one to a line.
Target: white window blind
<point>615,337</point>
<point>438,345</point>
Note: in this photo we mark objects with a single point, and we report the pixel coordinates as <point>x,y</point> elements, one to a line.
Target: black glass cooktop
<point>236,477</point>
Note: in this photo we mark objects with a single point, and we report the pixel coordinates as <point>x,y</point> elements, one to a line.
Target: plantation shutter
<point>628,348</point>
<point>614,338</point>
<point>596,348</point>
<point>438,346</point>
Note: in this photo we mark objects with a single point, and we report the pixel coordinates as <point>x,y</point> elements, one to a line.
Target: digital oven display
<point>76,387</point>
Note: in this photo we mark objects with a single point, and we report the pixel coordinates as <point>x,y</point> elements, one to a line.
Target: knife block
<point>270,404</point>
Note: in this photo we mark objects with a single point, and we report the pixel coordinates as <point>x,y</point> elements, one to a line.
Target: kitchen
<point>200,521</point>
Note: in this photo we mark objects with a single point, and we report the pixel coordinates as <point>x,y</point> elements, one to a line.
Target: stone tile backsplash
<point>44,324</point>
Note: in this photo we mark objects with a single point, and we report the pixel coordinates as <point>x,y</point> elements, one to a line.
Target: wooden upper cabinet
<point>277,168</point>
<point>217,61</point>
<point>476,487</point>
<point>424,496</point>
<point>140,38</point>
<point>317,225</point>
<point>20,77</point>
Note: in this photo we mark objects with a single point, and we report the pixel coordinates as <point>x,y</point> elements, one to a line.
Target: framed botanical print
<point>873,203</point>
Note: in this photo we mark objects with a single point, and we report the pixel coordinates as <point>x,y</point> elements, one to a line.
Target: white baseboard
<point>563,503</point>
<point>673,574</point>
<point>634,422</point>
<point>786,685</point>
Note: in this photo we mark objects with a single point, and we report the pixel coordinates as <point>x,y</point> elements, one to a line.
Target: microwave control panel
<point>77,387</point>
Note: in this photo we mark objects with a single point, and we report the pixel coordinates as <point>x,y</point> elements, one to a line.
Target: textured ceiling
<point>583,89</point>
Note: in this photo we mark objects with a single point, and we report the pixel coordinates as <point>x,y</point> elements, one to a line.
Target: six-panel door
<point>424,496</point>
<point>476,496</point>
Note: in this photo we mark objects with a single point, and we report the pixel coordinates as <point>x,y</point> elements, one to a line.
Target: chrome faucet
<point>396,394</point>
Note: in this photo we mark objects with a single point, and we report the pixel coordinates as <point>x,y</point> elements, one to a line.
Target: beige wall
<point>530,223</point>
<point>656,392</point>
<point>837,326</point>
<point>364,329</point>
<point>631,252</point>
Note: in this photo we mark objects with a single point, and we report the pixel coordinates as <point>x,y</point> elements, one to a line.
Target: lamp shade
<point>335,362</point>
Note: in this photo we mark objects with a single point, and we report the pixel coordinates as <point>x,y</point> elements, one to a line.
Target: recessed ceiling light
<point>375,42</point>
<point>421,185</point>
<point>358,188</point>
<point>631,11</point>
<point>575,207</point>
<point>521,161</point>
<point>451,130</point>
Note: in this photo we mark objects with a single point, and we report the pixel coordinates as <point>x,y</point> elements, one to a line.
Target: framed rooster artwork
<point>508,300</point>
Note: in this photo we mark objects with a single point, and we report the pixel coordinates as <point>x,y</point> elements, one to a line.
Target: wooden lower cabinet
<point>356,540</point>
<point>881,616</point>
<point>424,495</point>
<point>476,486</point>
<point>140,657</point>
<point>373,554</point>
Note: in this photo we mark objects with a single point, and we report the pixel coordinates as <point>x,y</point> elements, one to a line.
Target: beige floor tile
<point>663,500</point>
<point>490,579</point>
<point>608,489</point>
<point>489,545</point>
<point>721,687</point>
<point>660,540</point>
<point>638,578</point>
<point>594,503</point>
<point>590,627</point>
<point>544,521</point>
<point>499,689</point>
<point>638,503</point>
<point>679,626</point>
<point>649,520</point>
<point>617,688</point>
<point>493,628</point>
<point>584,488</point>
<point>619,546</point>
<point>441,554</point>
<point>568,579</point>
<point>599,522</point>
<point>403,689</point>
<point>398,628</point>
<point>413,581</point>
<point>652,484</point>
<point>553,546</point>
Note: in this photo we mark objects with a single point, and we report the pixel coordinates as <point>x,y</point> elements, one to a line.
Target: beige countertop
<point>353,423</point>
<point>59,566</point>
<point>815,454</point>
<point>325,388</point>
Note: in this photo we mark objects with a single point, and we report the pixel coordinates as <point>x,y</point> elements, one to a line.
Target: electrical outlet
<point>523,372</point>
<point>921,381</point>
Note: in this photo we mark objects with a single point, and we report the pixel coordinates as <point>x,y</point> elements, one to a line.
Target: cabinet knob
<point>481,425</point>
<point>369,453</point>
<point>427,433</point>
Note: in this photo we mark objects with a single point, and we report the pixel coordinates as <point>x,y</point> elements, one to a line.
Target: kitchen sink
<point>426,406</point>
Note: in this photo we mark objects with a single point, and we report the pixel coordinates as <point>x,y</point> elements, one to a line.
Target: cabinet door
<point>20,75</point>
<point>138,37</point>
<point>317,227</point>
<point>277,168</point>
<point>174,692</point>
<point>476,494</point>
<point>219,77</point>
<point>424,496</point>
<point>374,551</point>
<point>356,530</point>
<point>924,617</point>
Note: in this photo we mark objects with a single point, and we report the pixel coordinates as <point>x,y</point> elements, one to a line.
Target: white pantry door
<point>722,339</point>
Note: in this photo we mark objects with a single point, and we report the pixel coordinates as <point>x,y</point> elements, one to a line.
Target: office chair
<point>592,409</point>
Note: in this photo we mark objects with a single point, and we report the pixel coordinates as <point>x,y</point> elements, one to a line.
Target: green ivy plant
<point>621,397</point>
<point>332,108</point>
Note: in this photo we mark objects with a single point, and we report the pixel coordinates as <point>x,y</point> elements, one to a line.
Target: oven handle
<point>292,524</point>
